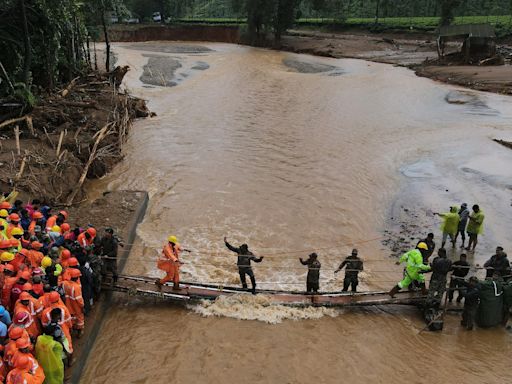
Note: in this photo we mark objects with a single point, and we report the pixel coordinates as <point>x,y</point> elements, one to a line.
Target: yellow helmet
<point>46,262</point>
<point>172,239</point>
<point>422,245</point>
<point>56,228</point>
<point>4,213</point>
<point>17,231</point>
<point>6,256</point>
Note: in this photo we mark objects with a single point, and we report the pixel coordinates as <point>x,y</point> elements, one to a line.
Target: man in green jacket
<point>414,266</point>
<point>475,227</point>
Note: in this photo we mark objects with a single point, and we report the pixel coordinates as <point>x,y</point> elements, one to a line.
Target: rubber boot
<point>253,290</point>
<point>424,289</point>
<point>158,284</point>
<point>176,287</point>
<point>394,291</point>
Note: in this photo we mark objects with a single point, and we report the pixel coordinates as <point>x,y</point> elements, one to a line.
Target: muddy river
<point>293,153</point>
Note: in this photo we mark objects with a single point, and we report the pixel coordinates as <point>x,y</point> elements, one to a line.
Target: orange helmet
<point>14,242</point>
<point>74,272</point>
<point>22,362</point>
<point>91,231</point>
<point>9,267</point>
<point>37,215</point>
<point>23,342</point>
<point>4,244</point>
<point>27,287</point>
<point>73,262</point>
<point>25,275</point>
<point>65,254</point>
<point>65,214</point>
<point>54,297</point>
<point>36,245</point>
<point>25,252</point>
<point>15,333</point>
<point>25,296</point>
<point>14,217</point>
<point>5,205</point>
<point>65,227</point>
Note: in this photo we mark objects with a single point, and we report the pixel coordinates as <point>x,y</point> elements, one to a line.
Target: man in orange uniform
<point>3,366</point>
<point>37,219</point>
<point>10,280</point>
<point>10,348</point>
<point>63,318</point>
<point>23,320</point>
<point>14,222</point>
<point>24,348</point>
<point>74,300</point>
<point>21,373</point>
<point>27,303</point>
<point>170,263</point>
<point>86,239</point>
<point>57,219</point>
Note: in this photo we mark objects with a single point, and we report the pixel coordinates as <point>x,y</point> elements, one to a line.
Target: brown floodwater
<point>293,153</point>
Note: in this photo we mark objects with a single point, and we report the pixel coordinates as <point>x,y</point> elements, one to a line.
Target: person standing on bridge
<point>244,263</point>
<point>312,280</point>
<point>413,269</point>
<point>170,263</point>
<point>353,265</point>
<point>441,265</point>
<point>108,247</point>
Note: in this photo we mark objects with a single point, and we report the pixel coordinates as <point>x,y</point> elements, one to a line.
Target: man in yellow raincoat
<point>475,227</point>
<point>49,355</point>
<point>450,224</point>
<point>414,265</point>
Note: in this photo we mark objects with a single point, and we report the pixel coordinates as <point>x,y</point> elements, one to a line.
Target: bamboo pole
<point>17,134</point>
<point>61,137</point>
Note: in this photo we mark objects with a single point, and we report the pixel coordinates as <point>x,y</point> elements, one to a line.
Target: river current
<point>293,153</point>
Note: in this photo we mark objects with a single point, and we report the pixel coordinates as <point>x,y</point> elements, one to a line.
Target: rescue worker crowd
<point>50,275</point>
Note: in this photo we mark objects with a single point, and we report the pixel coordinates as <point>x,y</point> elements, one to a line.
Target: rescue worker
<point>3,366</point>
<point>471,301</point>
<point>463,222</point>
<point>21,373</point>
<point>3,224</point>
<point>5,317</point>
<point>14,222</point>
<point>244,263</point>
<point>313,277</point>
<point>49,354</point>
<point>86,239</point>
<point>74,300</point>
<point>460,269</point>
<point>24,320</point>
<point>498,264</point>
<point>429,240</point>
<point>24,350</point>
<point>475,227</point>
<point>17,288</point>
<point>56,220</point>
<point>33,307</point>
<point>9,281</point>
<point>353,265</point>
<point>440,267</point>
<point>58,313</point>
<point>35,255</point>
<point>413,270</point>
<point>15,333</point>
<point>52,271</point>
<point>170,263</point>
<point>108,247</point>
<point>450,225</point>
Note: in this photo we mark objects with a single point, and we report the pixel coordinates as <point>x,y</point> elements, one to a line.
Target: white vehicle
<point>132,20</point>
<point>157,17</point>
<point>114,19</point>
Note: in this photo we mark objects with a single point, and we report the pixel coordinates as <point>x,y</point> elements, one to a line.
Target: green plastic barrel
<point>490,310</point>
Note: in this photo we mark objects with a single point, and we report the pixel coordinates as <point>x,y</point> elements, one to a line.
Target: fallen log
<point>79,104</point>
<point>12,121</point>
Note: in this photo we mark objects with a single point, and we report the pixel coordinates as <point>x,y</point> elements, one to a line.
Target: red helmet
<point>14,217</point>
<point>73,262</point>
<point>91,231</point>
<point>25,296</point>
<point>54,297</point>
<point>74,272</point>
<point>65,254</point>
<point>65,214</point>
<point>21,317</point>
<point>65,227</point>
<point>23,342</point>
<point>37,215</point>
<point>22,362</point>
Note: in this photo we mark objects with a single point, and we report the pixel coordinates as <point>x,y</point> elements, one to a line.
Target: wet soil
<point>160,70</point>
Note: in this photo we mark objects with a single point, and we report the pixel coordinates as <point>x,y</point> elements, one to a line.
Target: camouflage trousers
<point>437,288</point>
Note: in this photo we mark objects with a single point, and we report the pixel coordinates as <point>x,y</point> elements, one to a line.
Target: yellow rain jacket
<point>49,356</point>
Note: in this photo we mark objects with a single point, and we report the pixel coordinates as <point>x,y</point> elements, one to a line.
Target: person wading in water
<point>312,280</point>
<point>244,263</point>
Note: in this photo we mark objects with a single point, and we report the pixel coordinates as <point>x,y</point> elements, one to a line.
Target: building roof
<point>471,30</point>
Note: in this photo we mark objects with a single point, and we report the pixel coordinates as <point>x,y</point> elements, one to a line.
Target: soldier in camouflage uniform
<point>440,266</point>
<point>353,265</point>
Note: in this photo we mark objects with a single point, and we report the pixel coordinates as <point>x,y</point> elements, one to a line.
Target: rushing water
<point>292,153</point>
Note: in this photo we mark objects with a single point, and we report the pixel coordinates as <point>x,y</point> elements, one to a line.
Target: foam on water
<point>259,307</point>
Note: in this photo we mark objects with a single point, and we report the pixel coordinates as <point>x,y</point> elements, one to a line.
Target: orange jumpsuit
<point>34,309</point>
<point>9,282</point>
<point>3,371</point>
<point>22,376</point>
<point>45,301</point>
<point>65,321</point>
<point>51,222</point>
<point>11,349</point>
<point>36,370</point>
<point>35,258</point>
<point>83,241</point>
<point>10,227</point>
<point>170,263</point>
<point>74,302</point>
